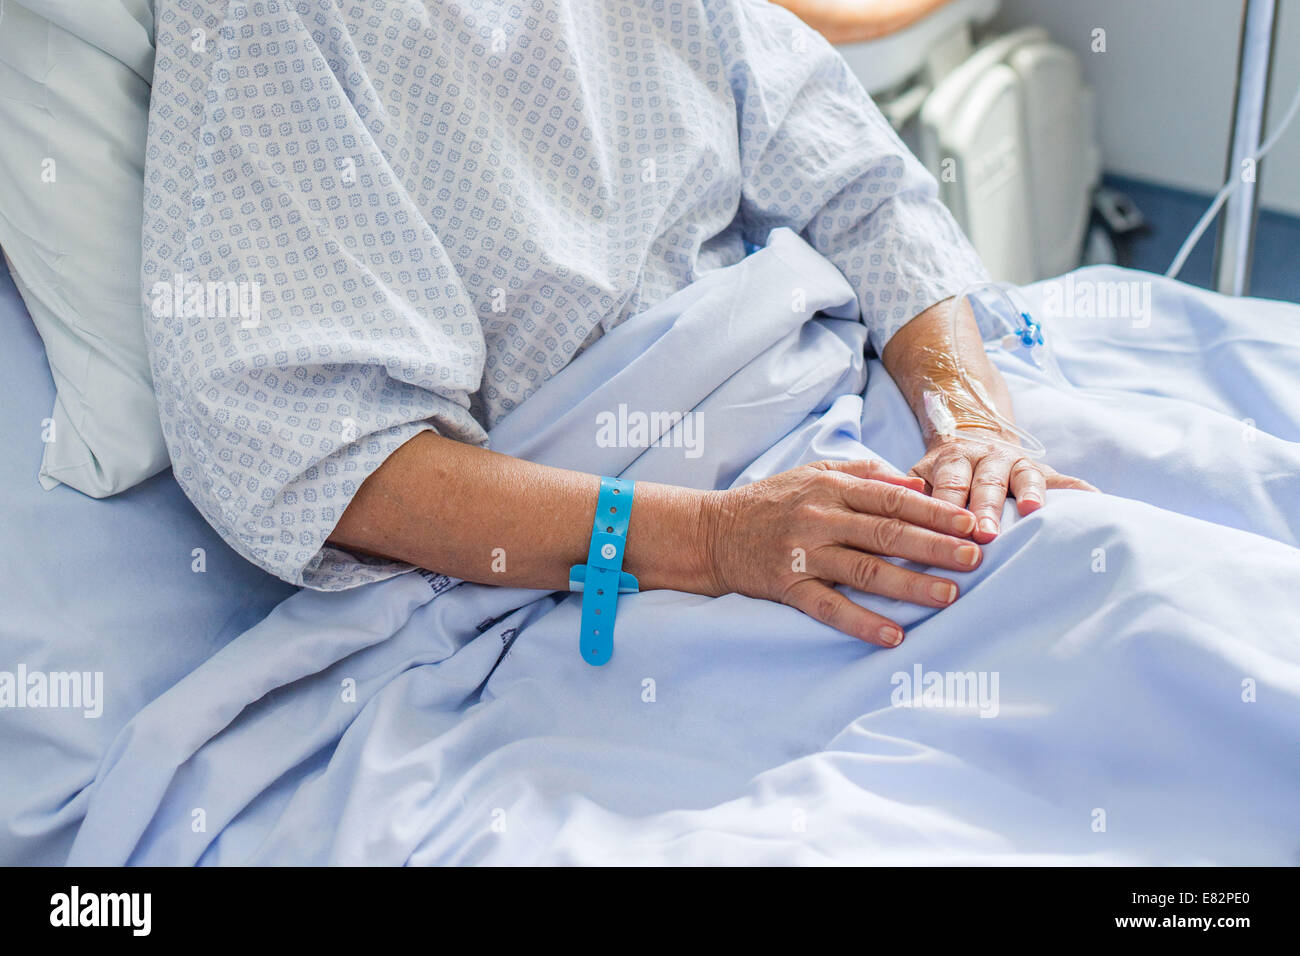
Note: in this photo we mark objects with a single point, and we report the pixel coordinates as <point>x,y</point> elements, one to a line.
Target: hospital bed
<point>412,722</point>
<point>136,587</point>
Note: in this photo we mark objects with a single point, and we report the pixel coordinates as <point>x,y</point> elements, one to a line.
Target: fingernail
<point>988,526</point>
<point>968,554</point>
<point>891,635</point>
<point>963,523</point>
<point>1032,499</point>
<point>945,592</point>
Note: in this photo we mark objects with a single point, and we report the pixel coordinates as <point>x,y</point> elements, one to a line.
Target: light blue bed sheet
<point>1144,641</point>
<point>92,586</point>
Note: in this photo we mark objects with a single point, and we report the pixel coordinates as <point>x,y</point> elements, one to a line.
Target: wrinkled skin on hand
<point>793,536</point>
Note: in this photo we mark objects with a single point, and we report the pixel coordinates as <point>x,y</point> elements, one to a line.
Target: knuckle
<point>950,484</point>
<point>919,587</point>
<point>939,550</point>
<point>865,571</point>
<point>893,498</point>
<point>1027,471</point>
<point>914,587</point>
<point>825,608</point>
<point>835,480</point>
<point>937,513</point>
<point>889,534</point>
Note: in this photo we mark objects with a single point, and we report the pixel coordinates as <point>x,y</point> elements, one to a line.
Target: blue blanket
<point>1120,681</point>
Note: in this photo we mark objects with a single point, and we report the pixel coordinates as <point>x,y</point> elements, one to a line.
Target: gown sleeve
<point>818,157</point>
<point>303,318</point>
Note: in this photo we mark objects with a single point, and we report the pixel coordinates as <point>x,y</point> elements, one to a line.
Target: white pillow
<point>74,102</point>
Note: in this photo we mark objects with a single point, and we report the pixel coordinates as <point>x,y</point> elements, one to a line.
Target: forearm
<point>928,355</point>
<point>461,510</point>
<point>490,518</point>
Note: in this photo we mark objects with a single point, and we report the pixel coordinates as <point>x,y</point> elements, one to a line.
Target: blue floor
<point>1171,214</point>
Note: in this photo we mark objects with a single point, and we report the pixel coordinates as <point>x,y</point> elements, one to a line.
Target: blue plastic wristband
<point>602,579</point>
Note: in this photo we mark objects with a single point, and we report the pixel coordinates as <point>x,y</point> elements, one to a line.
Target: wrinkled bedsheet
<point>1135,656</point>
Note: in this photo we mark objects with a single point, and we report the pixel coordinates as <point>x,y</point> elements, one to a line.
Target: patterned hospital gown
<point>437,205</point>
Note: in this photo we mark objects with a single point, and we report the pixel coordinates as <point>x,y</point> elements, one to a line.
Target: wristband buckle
<point>602,579</point>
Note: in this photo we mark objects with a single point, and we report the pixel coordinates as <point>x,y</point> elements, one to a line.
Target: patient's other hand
<point>790,537</point>
<point>970,470</point>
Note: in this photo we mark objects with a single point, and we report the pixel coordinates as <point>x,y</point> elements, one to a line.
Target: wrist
<point>955,412</point>
<point>713,531</point>
<point>667,545</point>
<point>976,433</point>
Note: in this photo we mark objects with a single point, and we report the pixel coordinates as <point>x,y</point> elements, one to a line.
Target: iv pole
<point>1234,246</point>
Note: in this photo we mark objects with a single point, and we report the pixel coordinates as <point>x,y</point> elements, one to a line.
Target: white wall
<point>1165,84</point>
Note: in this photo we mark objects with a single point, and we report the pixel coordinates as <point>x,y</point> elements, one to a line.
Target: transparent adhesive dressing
<point>959,401</point>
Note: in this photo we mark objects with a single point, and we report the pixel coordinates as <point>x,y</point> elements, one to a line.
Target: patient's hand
<point>970,462</point>
<point>790,537</point>
<point>969,470</point>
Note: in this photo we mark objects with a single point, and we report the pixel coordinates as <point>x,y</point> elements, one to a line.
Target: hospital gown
<point>436,206</point>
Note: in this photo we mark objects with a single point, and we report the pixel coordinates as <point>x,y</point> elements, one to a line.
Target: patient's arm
<point>448,506</point>
<point>965,468</point>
